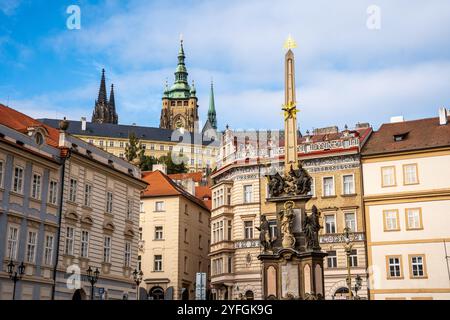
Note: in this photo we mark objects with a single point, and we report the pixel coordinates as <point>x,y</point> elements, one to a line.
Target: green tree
<point>147,163</point>
<point>134,150</point>
<point>177,165</point>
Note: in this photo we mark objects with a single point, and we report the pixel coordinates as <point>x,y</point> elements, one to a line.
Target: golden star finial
<point>290,43</point>
<point>290,110</point>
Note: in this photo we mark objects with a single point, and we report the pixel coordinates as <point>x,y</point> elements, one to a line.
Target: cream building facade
<point>406,177</point>
<point>175,239</point>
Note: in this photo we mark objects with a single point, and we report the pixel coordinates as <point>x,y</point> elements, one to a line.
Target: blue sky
<point>345,72</point>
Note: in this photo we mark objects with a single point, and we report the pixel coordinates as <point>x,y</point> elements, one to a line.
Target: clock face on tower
<point>179,124</point>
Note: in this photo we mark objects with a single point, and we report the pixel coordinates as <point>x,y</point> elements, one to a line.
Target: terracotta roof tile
<point>20,122</point>
<point>195,176</point>
<point>159,185</point>
<point>419,134</point>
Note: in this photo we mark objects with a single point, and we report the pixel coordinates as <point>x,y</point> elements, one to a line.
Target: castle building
<point>406,176</point>
<point>179,102</point>
<point>105,110</point>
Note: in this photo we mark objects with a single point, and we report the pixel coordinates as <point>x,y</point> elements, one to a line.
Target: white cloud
<point>345,72</point>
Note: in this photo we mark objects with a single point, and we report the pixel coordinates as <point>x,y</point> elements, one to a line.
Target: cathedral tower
<point>179,102</point>
<point>105,111</point>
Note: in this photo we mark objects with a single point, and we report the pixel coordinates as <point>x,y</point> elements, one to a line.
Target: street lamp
<point>348,251</point>
<point>15,275</point>
<point>137,276</point>
<point>358,285</point>
<point>93,278</point>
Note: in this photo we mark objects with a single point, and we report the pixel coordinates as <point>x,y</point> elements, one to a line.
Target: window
<point>200,216</point>
<point>84,244</point>
<point>109,202</point>
<point>87,195</point>
<point>273,228</point>
<point>332,259</point>
<point>129,209</point>
<point>229,231</point>
<point>388,176</point>
<point>217,266</point>
<point>417,266</point>
<point>36,186</point>
<point>185,264</point>
<point>158,233</point>
<point>157,266</point>
<point>229,196</point>
<point>139,263</point>
<point>31,246</point>
<point>200,242</point>
<point>53,192</point>
<point>413,218</point>
<point>312,192</point>
<point>391,222</point>
<point>1,173</point>
<point>218,231</point>
<point>69,241</point>
<point>186,235</point>
<point>73,190</point>
<point>248,194</point>
<point>141,206</point>
<point>410,174</point>
<point>111,143</point>
<point>121,144</point>
<point>348,184</point>
<point>48,249</point>
<point>101,143</point>
<point>107,249</point>
<point>186,209</point>
<point>330,224</point>
<point>18,180</point>
<point>140,233</point>
<point>350,221</point>
<point>13,237</point>
<point>230,264</point>
<point>394,267</point>
<point>159,206</point>
<point>248,229</point>
<point>127,257</point>
<point>161,147</point>
<point>328,186</point>
<point>353,258</point>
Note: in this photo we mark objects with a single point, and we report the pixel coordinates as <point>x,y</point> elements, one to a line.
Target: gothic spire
<point>212,109</point>
<point>112,106</point>
<point>102,91</point>
<point>181,72</point>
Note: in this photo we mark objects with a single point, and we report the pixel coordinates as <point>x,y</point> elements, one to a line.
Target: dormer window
<point>400,136</point>
<point>39,138</point>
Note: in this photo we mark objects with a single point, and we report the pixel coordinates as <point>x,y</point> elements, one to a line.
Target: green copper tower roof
<point>180,89</point>
<point>212,109</point>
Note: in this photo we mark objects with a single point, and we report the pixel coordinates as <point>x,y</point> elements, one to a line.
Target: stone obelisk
<point>292,260</point>
<point>290,109</point>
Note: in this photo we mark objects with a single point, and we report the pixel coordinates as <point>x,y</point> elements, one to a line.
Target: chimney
<point>161,167</point>
<point>443,114</point>
<point>397,119</point>
<point>83,123</point>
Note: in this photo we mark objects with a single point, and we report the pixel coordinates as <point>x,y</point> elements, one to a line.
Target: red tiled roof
<point>419,134</point>
<point>204,194</point>
<point>196,176</point>
<point>159,185</point>
<point>20,122</point>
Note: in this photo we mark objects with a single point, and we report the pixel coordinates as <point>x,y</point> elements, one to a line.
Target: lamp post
<point>15,275</point>
<point>137,277</point>
<point>358,286</point>
<point>348,251</point>
<point>93,278</point>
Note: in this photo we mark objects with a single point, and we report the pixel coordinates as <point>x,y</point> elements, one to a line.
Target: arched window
<point>156,293</point>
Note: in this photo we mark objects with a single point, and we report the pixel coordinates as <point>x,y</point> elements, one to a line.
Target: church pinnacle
<point>105,111</point>
<point>212,108</point>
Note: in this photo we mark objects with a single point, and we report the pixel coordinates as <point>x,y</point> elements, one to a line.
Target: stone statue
<point>311,227</point>
<point>294,183</point>
<point>264,233</point>
<point>286,220</point>
<point>276,185</point>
